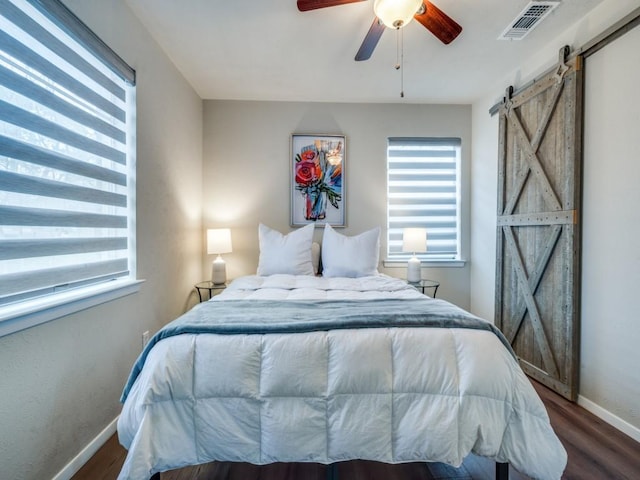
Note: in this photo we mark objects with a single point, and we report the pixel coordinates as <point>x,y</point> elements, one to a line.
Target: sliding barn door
<point>539,173</point>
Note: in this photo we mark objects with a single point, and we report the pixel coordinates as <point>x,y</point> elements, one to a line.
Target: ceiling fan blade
<point>306,5</point>
<point>438,23</point>
<point>370,40</point>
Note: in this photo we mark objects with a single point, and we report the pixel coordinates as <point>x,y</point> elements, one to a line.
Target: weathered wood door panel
<point>538,262</point>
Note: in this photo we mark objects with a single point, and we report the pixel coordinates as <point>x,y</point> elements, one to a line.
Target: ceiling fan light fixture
<point>396,13</point>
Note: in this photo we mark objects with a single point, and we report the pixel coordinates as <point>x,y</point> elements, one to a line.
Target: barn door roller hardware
<point>562,68</point>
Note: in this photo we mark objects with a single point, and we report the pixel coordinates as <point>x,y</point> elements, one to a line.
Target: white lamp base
<point>414,273</point>
<point>218,271</point>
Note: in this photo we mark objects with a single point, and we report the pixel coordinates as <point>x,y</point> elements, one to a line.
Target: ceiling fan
<point>395,14</point>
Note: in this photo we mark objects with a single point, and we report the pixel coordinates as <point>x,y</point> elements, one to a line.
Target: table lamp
<point>218,242</point>
<point>414,240</point>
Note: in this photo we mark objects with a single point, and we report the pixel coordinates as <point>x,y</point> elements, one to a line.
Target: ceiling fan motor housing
<point>396,13</point>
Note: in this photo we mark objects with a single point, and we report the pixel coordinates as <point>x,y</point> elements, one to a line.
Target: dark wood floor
<point>596,451</point>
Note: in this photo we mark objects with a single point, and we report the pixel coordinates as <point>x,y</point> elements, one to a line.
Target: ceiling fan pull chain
<point>402,65</point>
<point>397,65</point>
<point>400,58</point>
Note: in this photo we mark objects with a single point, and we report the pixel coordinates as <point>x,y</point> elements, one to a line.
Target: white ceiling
<point>268,50</point>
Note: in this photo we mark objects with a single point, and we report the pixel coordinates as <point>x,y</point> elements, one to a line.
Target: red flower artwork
<point>318,176</point>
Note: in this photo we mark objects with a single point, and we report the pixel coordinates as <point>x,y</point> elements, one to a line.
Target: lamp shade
<point>396,13</point>
<point>219,241</point>
<point>414,240</point>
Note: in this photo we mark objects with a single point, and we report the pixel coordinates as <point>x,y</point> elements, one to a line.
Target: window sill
<point>426,263</point>
<point>23,315</point>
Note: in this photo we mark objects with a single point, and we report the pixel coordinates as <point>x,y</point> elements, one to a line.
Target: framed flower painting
<point>317,180</point>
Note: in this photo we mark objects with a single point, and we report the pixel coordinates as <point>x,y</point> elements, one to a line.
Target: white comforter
<point>388,394</point>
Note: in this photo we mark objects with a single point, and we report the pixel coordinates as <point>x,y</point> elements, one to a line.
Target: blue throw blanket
<point>231,317</point>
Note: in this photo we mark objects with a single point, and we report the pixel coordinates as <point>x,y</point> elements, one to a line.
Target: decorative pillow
<point>289,253</point>
<point>344,256</point>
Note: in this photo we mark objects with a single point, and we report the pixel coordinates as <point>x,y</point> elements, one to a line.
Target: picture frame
<point>317,180</point>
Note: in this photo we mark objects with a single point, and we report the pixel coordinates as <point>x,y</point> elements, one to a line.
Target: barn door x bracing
<point>539,173</point>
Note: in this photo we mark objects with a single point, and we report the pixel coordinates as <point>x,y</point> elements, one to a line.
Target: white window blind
<point>423,190</point>
<point>66,167</point>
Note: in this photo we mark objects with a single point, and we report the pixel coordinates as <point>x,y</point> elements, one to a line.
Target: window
<point>423,190</point>
<point>67,171</point>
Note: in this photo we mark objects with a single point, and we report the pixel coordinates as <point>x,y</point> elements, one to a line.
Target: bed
<point>291,367</point>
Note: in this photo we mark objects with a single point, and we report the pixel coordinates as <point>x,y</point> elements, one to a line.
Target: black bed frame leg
<point>502,471</point>
<point>332,471</point>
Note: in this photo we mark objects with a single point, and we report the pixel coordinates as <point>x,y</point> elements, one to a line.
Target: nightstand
<point>209,286</point>
<point>423,285</point>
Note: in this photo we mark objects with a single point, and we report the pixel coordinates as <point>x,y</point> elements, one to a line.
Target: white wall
<point>611,228</point>
<point>484,204</point>
<point>247,164</point>
<point>60,382</point>
<point>609,377</point>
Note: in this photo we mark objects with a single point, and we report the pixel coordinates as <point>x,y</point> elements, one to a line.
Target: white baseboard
<point>87,452</point>
<point>610,418</point>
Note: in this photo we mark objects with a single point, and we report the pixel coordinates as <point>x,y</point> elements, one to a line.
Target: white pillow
<point>344,256</point>
<point>289,253</point>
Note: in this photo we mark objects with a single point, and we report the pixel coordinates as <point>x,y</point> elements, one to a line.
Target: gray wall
<point>247,163</point>
<point>60,382</point>
<point>609,377</point>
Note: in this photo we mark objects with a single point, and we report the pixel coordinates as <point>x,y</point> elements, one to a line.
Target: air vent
<point>528,19</point>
